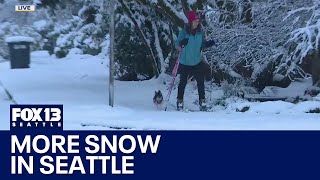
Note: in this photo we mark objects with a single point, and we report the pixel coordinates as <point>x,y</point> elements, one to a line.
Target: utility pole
<point>111,65</point>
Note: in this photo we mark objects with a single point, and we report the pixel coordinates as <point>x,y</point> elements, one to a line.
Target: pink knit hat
<point>192,15</point>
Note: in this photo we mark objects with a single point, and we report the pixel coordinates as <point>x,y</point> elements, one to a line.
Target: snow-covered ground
<point>80,83</point>
<point>4,109</point>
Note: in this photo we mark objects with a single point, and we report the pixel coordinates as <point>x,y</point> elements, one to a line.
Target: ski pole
<point>174,74</point>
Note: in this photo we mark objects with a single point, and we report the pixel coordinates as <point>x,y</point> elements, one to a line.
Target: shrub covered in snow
<point>272,43</point>
<point>8,29</point>
<point>76,24</point>
<point>19,24</point>
<point>84,34</point>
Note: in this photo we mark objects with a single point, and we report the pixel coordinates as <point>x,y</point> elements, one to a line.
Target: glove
<point>210,43</point>
<point>184,42</point>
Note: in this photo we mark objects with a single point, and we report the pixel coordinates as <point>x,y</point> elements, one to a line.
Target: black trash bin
<point>19,50</point>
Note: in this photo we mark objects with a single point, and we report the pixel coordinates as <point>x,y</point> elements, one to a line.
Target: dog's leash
<point>174,74</point>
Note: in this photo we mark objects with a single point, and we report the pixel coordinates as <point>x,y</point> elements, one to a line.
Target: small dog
<point>157,98</point>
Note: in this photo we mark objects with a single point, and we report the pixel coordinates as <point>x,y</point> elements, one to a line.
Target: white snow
<point>75,51</point>
<point>13,39</point>
<point>80,83</point>
<point>174,10</point>
<point>235,74</point>
<point>1,59</point>
<point>40,25</point>
<point>278,77</point>
<point>191,2</point>
<point>37,2</point>
<point>297,88</point>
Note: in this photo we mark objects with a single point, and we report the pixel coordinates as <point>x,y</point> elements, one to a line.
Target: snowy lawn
<point>80,83</point>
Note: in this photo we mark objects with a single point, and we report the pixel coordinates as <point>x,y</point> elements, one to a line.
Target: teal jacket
<point>191,53</point>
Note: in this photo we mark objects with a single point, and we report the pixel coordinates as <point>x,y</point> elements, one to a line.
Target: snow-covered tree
<point>154,30</point>
<point>261,41</point>
<point>77,24</point>
<point>304,40</point>
<point>16,23</point>
<point>258,42</point>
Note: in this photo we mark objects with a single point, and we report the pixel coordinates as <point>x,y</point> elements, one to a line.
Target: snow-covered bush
<point>239,88</point>
<point>77,24</point>
<point>21,24</point>
<point>305,38</point>
<point>8,29</point>
<point>273,43</point>
<point>86,34</point>
<point>44,27</point>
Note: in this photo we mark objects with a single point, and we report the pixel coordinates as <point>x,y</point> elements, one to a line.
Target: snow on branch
<point>174,10</point>
<point>290,13</point>
<point>158,47</point>
<point>306,38</point>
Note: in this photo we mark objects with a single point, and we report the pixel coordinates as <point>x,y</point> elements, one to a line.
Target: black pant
<point>187,72</point>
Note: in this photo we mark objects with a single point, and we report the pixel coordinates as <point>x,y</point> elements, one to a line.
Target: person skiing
<point>192,41</point>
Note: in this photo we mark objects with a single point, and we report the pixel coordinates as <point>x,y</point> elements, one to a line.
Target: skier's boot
<point>203,105</point>
<point>179,105</point>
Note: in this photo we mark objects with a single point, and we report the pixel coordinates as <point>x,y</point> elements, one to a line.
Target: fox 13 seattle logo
<point>36,117</point>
